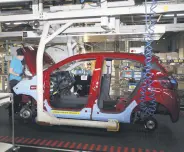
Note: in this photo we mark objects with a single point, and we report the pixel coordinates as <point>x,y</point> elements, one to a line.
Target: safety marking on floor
<point>72,145</point>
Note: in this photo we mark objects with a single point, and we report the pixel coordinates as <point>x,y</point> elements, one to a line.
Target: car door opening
<point>70,87</point>
<point>118,85</point>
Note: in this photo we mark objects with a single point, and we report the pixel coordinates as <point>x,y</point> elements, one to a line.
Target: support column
<point>69,47</point>
<point>115,89</point>
<point>40,7</point>
<point>35,7</point>
<point>126,46</point>
<point>181,46</point>
<point>175,19</point>
<point>39,66</point>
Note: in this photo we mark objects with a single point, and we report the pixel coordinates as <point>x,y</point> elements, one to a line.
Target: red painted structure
<point>165,90</point>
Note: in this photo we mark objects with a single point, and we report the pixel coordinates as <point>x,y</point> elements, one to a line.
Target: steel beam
<point>86,13</point>
<point>10,34</point>
<point>84,30</point>
<point>39,70</point>
<point>14,1</point>
<point>161,8</point>
<point>87,6</point>
<point>141,28</point>
<point>14,18</point>
<point>134,30</point>
<point>59,31</point>
<point>130,29</point>
<point>108,37</point>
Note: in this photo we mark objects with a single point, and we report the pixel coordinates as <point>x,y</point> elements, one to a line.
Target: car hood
<point>30,59</point>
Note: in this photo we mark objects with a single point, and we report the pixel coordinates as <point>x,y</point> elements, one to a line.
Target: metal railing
<point>4,85</point>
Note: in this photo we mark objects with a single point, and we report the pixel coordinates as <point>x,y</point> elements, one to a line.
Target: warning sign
<point>65,112</point>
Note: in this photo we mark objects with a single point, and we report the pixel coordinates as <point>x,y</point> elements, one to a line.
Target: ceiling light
<point>17,23</point>
<point>7,23</point>
<point>169,15</point>
<point>172,15</point>
<point>180,14</point>
<point>164,38</point>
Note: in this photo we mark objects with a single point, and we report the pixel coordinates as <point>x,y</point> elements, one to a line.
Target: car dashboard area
<point>68,90</point>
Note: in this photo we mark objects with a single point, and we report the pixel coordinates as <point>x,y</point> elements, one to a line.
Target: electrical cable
<point>148,104</point>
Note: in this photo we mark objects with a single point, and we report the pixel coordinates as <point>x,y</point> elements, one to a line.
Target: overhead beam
<point>161,8</point>
<point>89,6</point>
<point>141,28</point>
<point>86,13</point>
<point>84,30</point>
<point>109,37</point>
<point>130,29</point>
<point>14,1</point>
<point>25,17</point>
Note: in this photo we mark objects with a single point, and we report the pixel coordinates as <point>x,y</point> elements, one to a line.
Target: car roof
<point>104,55</point>
<point>120,55</point>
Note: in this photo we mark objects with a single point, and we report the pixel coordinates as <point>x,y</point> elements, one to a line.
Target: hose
<point>148,104</point>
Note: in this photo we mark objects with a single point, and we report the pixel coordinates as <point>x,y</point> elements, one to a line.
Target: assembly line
<point>91,75</point>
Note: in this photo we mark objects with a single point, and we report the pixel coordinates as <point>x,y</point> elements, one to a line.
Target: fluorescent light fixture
<point>180,14</point>
<point>172,15</point>
<point>7,23</point>
<point>17,23</point>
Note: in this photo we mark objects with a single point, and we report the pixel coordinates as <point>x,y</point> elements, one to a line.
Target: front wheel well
<point>25,98</point>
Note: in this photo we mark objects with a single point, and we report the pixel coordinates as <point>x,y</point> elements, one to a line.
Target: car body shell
<point>166,97</point>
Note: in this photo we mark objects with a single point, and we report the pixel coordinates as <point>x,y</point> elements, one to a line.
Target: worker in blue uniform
<point>15,76</point>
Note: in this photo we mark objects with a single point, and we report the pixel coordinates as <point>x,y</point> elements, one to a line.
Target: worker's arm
<point>12,72</point>
<point>12,67</point>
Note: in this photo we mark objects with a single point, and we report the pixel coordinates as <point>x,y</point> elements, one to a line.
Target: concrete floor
<point>132,138</point>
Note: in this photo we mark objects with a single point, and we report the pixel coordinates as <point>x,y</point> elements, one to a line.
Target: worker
<point>15,76</point>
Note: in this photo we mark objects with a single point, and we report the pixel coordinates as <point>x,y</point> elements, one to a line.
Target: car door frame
<point>86,112</point>
<point>124,116</point>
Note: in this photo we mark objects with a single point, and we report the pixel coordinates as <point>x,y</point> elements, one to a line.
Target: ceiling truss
<point>107,19</point>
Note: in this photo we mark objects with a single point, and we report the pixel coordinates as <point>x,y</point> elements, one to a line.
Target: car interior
<point>70,88</point>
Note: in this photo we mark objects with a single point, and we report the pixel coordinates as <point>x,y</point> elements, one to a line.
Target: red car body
<point>165,91</point>
<point>30,59</point>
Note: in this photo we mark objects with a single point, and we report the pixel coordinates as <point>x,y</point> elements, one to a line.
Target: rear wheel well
<point>161,109</point>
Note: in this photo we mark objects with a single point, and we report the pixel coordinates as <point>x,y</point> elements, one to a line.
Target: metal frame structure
<point>105,18</point>
<point>45,117</point>
<point>80,11</point>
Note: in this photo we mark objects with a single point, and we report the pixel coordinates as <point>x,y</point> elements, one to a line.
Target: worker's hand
<point>21,74</point>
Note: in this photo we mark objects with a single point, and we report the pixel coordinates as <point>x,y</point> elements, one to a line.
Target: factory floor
<point>132,138</point>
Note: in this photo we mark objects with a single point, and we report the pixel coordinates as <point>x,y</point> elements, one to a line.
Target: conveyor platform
<point>168,137</point>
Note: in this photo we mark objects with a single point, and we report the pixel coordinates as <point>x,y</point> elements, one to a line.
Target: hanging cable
<point>147,101</point>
